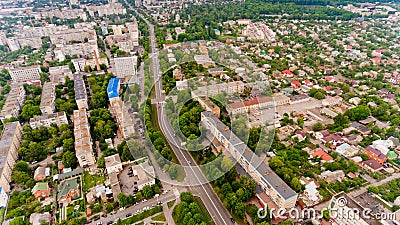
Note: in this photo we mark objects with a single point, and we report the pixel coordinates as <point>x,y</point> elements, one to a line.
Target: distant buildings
<point>83,140</point>
<point>125,68</point>
<point>14,102</point>
<point>105,10</point>
<point>46,120</point>
<point>48,98</point>
<point>9,144</point>
<point>80,92</point>
<point>25,73</point>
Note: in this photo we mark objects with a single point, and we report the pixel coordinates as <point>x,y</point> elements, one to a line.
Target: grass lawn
<point>203,210</point>
<point>181,173</point>
<point>2,211</point>
<point>171,203</point>
<point>135,218</point>
<point>160,217</point>
<point>90,181</point>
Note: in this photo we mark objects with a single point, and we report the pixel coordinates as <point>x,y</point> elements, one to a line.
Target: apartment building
<point>25,73</point>
<point>58,74</point>
<point>209,105</point>
<point>133,33</point>
<point>65,13</point>
<point>14,102</point>
<point>73,34</point>
<point>46,120</point>
<point>280,193</point>
<point>222,88</point>
<point>9,144</point>
<point>83,140</point>
<point>122,41</point>
<point>32,36</point>
<point>125,68</point>
<point>124,121</point>
<point>256,103</point>
<point>81,49</point>
<point>80,92</point>
<point>106,10</point>
<point>48,98</point>
<point>80,63</point>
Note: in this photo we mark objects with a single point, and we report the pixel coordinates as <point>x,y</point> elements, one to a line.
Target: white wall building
<point>25,73</point>
<point>48,98</point>
<point>125,68</point>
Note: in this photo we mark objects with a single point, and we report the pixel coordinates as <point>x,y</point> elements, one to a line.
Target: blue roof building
<point>113,88</point>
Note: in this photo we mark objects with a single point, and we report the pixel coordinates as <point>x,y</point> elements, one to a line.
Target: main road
<point>196,180</point>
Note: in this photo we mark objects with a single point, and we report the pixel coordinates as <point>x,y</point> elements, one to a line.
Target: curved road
<point>214,206</point>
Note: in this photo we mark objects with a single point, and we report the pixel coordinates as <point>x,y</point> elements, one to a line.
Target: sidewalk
<point>168,213</point>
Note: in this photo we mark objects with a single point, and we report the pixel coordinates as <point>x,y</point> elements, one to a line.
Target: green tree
<point>69,159</point>
<point>147,192</point>
<point>317,126</point>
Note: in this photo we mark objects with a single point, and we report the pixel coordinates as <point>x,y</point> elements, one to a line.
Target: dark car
<point>104,215</point>
<point>233,221</point>
<point>96,218</point>
<point>89,221</point>
<point>128,215</point>
<point>110,222</point>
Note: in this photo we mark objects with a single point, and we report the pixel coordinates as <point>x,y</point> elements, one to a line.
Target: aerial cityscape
<point>199,112</point>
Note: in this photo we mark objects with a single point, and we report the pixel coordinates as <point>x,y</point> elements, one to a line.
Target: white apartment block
<point>124,121</point>
<point>9,144</point>
<point>14,102</point>
<point>80,49</point>
<point>25,73</point>
<point>80,63</point>
<point>65,13</point>
<point>46,120</point>
<point>83,140</point>
<point>222,88</point>
<point>73,34</point>
<point>80,92</point>
<point>143,175</point>
<point>48,98</point>
<point>31,36</point>
<point>280,193</point>
<point>58,74</point>
<point>105,10</point>
<point>125,68</point>
<point>256,104</point>
<point>133,33</point>
<point>122,41</point>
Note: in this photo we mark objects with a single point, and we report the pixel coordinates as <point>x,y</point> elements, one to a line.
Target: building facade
<point>125,68</point>
<point>80,92</point>
<point>281,194</point>
<point>48,98</point>
<point>83,140</point>
<point>46,120</point>
<point>14,102</point>
<point>25,73</point>
<point>9,145</point>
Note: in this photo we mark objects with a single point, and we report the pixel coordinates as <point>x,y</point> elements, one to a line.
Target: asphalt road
<point>201,187</point>
<point>132,209</point>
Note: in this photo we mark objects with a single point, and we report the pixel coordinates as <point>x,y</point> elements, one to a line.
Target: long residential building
<point>83,140</point>
<point>9,144</point>
<point>133,33</point>
<point>280,193</point>
<point>14,102</point>
<point>222,88</point>
<point>256,103</point>
<point>46,120</point>
<point>25,73</point>
<point>48,98</point>
<point>80,49</point>
<point>80,92</point>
